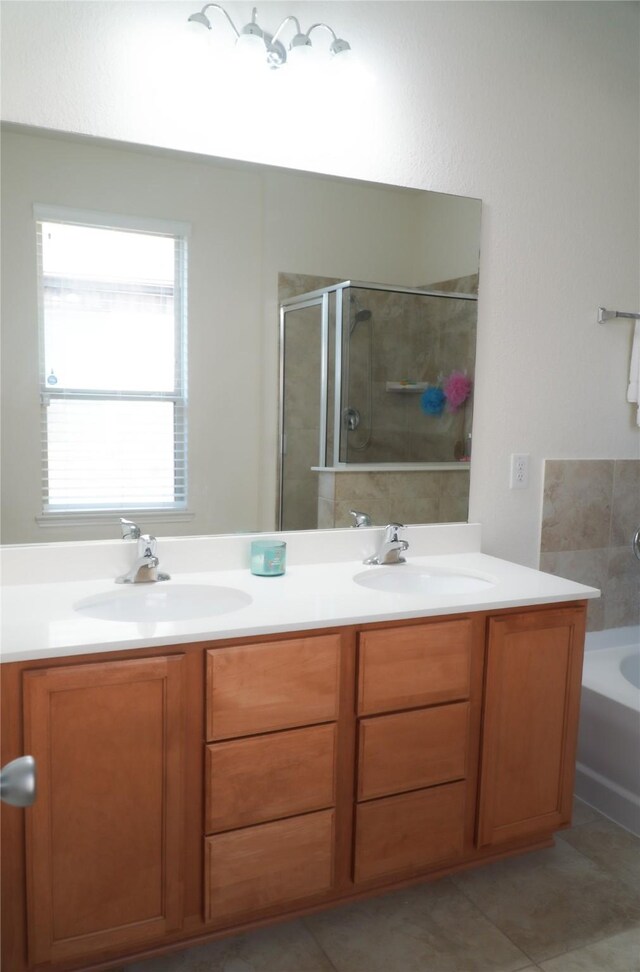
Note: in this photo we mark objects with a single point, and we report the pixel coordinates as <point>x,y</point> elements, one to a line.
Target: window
<point>112,362</point>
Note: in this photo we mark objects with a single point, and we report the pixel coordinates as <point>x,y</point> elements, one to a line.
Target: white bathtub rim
<point>601,672</point>
<point>613,638</point>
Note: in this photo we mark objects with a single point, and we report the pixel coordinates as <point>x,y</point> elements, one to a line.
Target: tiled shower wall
<point>591,511</point>
<point>408,337</point>
<point>404,496</point>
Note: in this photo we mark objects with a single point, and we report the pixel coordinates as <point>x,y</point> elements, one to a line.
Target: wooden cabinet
<point>274,685</point>
<point>417,768</point>
<point>410,750</point>
<point>534,665</point>
<point>411,833</point>
<point>261,772</point>
<point>253,869</point>
<point>104,839</point>
<point>193,791</point>
<point>262,778</point>
<point>401,668</point>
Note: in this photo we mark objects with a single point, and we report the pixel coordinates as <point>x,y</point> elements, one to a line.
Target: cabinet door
<point>532,699</point>
<point>104,839</point>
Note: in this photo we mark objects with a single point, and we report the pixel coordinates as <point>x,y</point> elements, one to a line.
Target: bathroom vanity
<point>214,784</point>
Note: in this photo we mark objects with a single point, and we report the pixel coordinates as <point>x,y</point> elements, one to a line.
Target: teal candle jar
<point>268,557</point>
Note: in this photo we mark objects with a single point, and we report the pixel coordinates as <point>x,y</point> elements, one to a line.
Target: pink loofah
<point>457,389</point>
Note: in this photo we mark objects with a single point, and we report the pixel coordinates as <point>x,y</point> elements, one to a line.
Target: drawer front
<point>249,781</point>
<point>411,750</point>
<point>274,685</point>
<point>403,668</point>
<point>251,870</point>
<point>409,833</point>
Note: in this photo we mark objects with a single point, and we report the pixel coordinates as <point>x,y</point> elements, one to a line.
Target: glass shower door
<point>303,344</point>
<point>396,344</point>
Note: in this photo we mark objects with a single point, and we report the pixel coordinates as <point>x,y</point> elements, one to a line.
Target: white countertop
<point>39,620</point>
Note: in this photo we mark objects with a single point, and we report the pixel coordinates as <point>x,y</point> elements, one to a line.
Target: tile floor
<point>571,908</point>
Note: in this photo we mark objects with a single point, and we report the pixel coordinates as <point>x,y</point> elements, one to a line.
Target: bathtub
<point>608,766</point>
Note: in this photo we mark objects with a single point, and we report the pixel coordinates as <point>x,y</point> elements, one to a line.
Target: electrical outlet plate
<point>519,478</point>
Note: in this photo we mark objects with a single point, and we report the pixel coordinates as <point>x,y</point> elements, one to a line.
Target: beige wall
<point>532,107</point>
<point>451,247</point>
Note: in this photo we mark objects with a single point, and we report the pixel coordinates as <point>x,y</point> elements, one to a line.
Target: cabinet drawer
<point>251,870</point>
<point>263,778</point>
<point>411,750</point>
<point>408,833</point>
<point>274,685</point>
<point>403,668</point>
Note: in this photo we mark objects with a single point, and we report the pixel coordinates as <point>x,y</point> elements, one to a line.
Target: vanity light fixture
<point>253,41</point>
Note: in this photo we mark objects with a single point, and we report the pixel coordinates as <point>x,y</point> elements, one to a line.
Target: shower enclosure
<point>362,372</point>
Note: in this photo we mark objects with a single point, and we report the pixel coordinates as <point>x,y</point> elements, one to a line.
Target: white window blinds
<point>112,298</point>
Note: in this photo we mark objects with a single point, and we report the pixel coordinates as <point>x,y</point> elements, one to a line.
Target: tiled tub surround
<point>591,510</point>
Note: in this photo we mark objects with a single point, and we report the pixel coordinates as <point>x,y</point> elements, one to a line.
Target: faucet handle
<point>147,545</point>
<point>361,519</point>
<point>391,534</point>
<point>130,530</point>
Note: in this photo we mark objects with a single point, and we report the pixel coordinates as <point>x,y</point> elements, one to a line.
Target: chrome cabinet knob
<point>18,782</point>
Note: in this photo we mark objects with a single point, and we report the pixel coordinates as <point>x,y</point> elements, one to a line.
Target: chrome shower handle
<point>18,782</point>
<point>635,543</point>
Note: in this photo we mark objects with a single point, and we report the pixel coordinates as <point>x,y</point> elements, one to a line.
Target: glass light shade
<point>341,47</point>
<point>300,54</point>
<point>199,20</point>
<point>251,48</point>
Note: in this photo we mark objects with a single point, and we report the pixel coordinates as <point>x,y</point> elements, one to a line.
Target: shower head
<point>362,314</point>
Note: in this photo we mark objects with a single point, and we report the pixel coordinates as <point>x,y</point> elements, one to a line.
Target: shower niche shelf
<point>407,387</point>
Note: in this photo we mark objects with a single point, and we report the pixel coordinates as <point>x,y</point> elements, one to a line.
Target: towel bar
<point>605,315</point>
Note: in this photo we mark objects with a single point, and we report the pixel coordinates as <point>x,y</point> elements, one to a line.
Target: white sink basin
<point>162,602</point>
<point>414,579</point>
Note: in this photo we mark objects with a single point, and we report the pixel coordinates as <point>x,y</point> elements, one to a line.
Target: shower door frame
<point>315,298</point>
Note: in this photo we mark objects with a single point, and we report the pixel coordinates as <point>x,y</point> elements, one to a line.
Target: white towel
<point>633,392</point>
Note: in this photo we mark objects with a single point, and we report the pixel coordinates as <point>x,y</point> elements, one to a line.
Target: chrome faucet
<point>391,548</point>
<point>361,519</point>
<point>144,569</point>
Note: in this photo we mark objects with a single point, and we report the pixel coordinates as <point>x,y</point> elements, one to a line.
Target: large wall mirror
<point>331,332</point>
